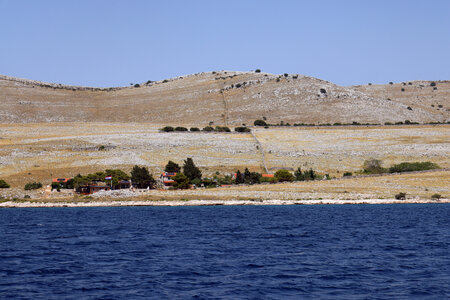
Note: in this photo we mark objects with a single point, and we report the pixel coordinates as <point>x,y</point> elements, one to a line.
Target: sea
<point>398,251</point>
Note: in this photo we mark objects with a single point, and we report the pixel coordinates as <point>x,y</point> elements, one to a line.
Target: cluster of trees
<point>205,129</point>
<point>264,123</point>
<point>374,166</point>
<point>248,177</point>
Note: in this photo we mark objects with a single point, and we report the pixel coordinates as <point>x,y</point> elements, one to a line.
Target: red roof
<point>267,175</point>
<point>63,180</point>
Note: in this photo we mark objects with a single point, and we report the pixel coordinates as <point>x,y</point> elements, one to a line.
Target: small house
<point>167,179</point>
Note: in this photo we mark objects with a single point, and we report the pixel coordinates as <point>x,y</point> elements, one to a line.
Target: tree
<point>142,178</point>
<point>239,178</point>
<point>3,184</point>
<point>181,181</point>
<point>373,166</point>
<point>299,175</point>
<point>190,170</point>
<point>284,175</point>
<point>172,167</point>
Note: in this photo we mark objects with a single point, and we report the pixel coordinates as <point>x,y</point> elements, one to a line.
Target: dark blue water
<point>239,252</point>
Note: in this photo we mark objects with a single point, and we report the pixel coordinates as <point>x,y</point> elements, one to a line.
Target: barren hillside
<point>225,97</point>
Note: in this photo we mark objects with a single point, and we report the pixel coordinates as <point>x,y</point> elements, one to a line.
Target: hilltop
<point>225,97</point>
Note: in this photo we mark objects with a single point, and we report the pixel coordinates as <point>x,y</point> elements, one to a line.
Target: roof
<point>268,175</point>
<point>63,180</point>
<point>168,174</point>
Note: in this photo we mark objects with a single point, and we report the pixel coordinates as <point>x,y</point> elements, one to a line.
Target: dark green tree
<point>142,178</point>
<point>239,178</point>
<point>190,170</point>
<point>299,175</point>
<point>251,177</point>
<point>181,181</point>
<point>172,167</point>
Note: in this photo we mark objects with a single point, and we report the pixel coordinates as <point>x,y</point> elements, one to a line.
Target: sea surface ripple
<point>226,252</point>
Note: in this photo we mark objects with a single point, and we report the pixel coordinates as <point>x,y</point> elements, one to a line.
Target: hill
<point>225,97</point>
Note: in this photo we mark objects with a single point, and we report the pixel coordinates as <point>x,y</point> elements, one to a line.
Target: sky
<point>115,43</point>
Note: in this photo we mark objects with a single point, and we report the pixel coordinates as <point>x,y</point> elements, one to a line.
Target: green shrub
<point>3,184</point>
<point>433,84</point>
<point>283,175</point>
<point>400,196</point>
<point>32,186</point>
<point>414,166</point>
<point>222,129</point>
<point>257,71</point>
<point>194,129</point>
<point>251,177</point>
<point>191,170</point>
<point>267,180</point>
<point>436,196</point>
<point>346,174</point>
<point>208,129</point>
<point>181,129</point>
<point>167,129</point>
<point>403,89</point>
<point>260,123</point>
<point>242,129</point>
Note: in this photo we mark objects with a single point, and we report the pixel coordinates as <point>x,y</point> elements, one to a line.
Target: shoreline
<point>116,203</point>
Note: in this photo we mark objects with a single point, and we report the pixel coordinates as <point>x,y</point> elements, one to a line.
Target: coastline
<point>116,203</point>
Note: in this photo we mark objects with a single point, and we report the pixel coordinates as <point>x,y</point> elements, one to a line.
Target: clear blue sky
<point>114,43</point>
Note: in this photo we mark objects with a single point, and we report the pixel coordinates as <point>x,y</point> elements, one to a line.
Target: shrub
<point>3,184</point>
<point>440,106</point>
<point>409,108</point>
<point>403,89</point>
<point>167,129</point>
<point>136,85</point>
<point>387,123</point>
<point>194,129</point>
<point>208,129</point>
<point>346,174</point>
<point>242,129</point>
<point>391,83</point>
<point>414,166</point>
<point>433,84</point>
<point>436,196</point>
<point>286,74</point>
<point>222,129</point>
<point>181,129</point>
<point>238,85</point>
<point>32,186</point>
<point>400,196</point>
<point>260,122</point>
<point>257,71</point>
<point>284,175</point>
<point>267,180</point>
